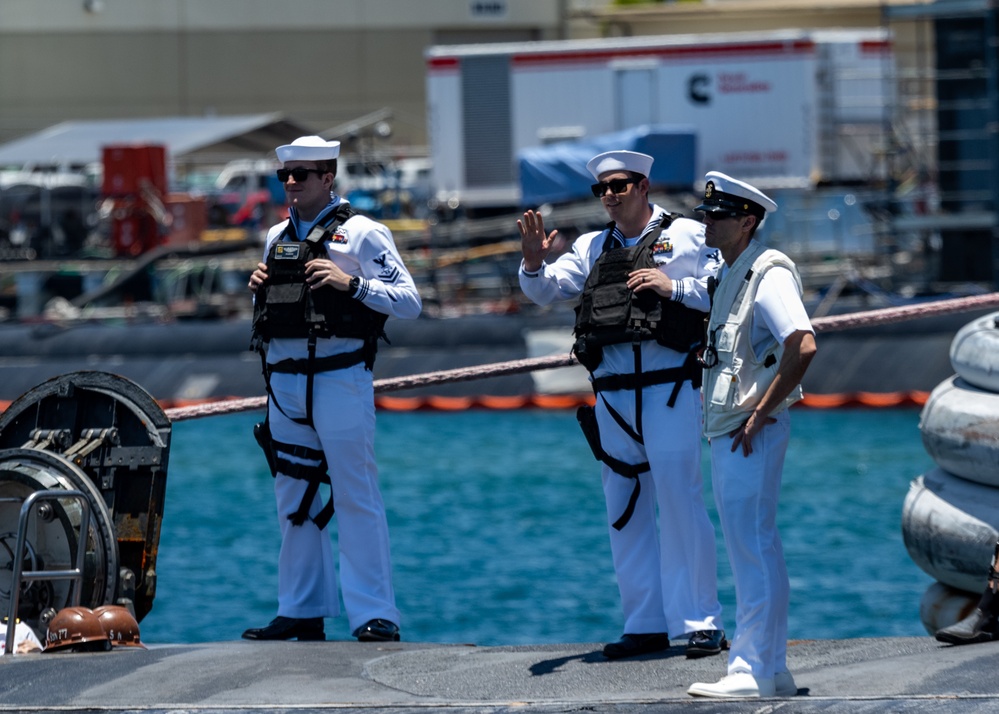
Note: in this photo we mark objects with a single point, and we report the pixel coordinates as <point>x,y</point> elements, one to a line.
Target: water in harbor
<point>499,534</point>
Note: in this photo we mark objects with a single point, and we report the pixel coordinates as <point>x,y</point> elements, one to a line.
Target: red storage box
<point>128,167</point>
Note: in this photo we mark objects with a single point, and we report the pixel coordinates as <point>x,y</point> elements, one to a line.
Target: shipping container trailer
<point>786,108</point>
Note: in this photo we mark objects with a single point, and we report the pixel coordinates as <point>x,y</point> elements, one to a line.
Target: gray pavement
<point>861,675</point>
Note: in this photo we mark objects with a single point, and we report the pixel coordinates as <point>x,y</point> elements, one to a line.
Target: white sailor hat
<point>308,148</point>
<point>620,161</point>
<point>724,194</point>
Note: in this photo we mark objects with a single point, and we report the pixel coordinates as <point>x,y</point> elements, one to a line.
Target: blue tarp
<point>557,173</point>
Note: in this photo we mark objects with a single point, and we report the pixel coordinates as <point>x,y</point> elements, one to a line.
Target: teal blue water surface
<point>499,534</point>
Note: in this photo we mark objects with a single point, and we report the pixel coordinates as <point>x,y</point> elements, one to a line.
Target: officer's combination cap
<point>308,148</point>
<point>724,194</point>
<point>620,161</point>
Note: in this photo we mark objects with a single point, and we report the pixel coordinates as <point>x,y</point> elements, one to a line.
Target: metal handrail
<point>74,574</point>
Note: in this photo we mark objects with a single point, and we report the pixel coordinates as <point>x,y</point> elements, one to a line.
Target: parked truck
<point>788,108</point>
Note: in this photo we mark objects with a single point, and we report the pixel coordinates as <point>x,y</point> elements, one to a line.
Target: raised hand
<point>534,244</point>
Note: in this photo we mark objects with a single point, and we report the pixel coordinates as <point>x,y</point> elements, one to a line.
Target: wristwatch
<point>355,285</point>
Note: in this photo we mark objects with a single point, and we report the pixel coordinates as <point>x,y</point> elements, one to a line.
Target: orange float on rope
<point>450,404</point>
<point>885,399</point>
<point>503,403</point>
<point>399,404</point>
<point>562,401</point>
<point>877,400</point>
<point>825,401</point>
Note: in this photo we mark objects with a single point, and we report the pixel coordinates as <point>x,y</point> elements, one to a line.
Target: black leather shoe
<point>979,626</point>
<point>289,628</point>
<point>634,645</point>
<point>705,643</point>
<point>377,631</point>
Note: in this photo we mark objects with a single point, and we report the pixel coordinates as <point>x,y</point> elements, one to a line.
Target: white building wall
<point>46,16</point>
<point>321,62</point>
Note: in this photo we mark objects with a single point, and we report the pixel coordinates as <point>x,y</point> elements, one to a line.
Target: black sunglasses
<point>709,356</point>
<point>299,173</point>
<point>615,185</point>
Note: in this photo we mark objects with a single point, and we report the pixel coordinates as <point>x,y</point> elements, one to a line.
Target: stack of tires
<point>950,519</point>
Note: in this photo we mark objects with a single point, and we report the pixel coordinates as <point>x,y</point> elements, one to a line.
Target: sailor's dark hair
<point>327,165</point>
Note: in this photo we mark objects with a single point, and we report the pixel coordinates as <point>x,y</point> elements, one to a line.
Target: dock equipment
<point>91,434</point>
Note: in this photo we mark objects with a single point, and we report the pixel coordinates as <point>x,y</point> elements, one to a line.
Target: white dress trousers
<point>667,576</point>
<point>746,492</point>
<point>344,418</point>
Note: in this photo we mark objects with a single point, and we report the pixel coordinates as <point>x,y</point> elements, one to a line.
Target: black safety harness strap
<point>309,367</point>
<point>314,474</point>
<point>623,423</point>
<point>636,349</point>
<point>588,422</point>
<point>621,468</point>
<point>637,381</point>
<point>299,452</point>
<point>319,364</point>
<point>688,371</point>
<point>629,510</point>
<point>677,375</point>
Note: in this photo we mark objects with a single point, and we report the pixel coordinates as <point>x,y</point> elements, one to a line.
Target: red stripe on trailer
<point>795,47</point>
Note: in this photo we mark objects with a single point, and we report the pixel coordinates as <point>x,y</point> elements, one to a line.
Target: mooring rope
<point>833,323</point>
<point>884,316</point>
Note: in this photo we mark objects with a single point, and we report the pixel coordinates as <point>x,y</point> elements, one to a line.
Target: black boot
<point>979,626</point>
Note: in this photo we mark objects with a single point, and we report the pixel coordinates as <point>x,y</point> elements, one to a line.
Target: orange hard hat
<point>119,625</point>
<point>77,628</point>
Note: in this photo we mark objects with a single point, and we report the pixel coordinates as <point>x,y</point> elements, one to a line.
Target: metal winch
<point>105,442</point>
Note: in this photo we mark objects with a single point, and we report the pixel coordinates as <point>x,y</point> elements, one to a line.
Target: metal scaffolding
<point>942,142</point>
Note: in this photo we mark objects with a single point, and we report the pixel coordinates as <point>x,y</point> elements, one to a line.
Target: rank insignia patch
<point>663,247</point>
<point>388,273</point>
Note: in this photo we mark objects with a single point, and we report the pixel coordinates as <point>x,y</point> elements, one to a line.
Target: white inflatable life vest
<point>736,384</point>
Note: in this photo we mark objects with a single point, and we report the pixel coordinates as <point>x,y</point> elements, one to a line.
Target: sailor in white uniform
<point>648,410</point>
<point>759,345</point>
<point>25,639</point>
<point>320,345</point>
